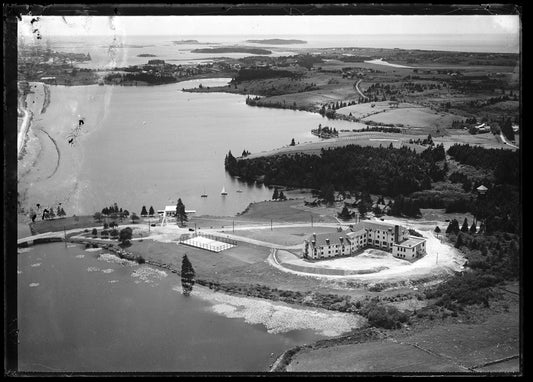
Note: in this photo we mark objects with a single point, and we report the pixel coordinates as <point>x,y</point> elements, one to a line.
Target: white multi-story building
<point>389,237</point>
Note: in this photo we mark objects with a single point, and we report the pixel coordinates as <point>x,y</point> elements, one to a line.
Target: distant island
<point>179,42</point>
<point>146,55</point>
<point>277,41</point>
<point>232,49</point>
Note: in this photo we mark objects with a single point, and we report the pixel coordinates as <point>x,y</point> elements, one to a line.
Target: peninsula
<point>233,49</point>
<point>277,41</point>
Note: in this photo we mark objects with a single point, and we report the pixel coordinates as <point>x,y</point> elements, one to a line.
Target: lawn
<point>283,236</point>
<point>381,356</point>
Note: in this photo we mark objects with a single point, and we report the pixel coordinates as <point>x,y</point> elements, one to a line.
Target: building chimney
<point>327,241</point>
<point>314,236</point>
<point>341,239</point>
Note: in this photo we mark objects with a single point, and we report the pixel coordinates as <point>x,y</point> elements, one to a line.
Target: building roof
<point>482,188</point>
<point>333,238</point>
<point>411,241</point>
<point>173,209</point>
<point>373,225</point>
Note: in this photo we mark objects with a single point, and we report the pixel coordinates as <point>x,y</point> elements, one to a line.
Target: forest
<point>379,170</point>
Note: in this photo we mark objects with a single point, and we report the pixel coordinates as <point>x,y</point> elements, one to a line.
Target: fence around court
<point>221,243</point>
<point>223,239</point>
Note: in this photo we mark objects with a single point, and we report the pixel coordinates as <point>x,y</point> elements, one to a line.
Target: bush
<point>386,317</point>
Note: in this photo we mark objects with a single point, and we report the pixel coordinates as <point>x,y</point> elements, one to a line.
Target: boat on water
<point>223,192</point>
<point>239,191</point>
<point>204,195</point>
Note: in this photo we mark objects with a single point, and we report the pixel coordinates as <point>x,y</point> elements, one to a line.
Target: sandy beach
<point>279,317</point>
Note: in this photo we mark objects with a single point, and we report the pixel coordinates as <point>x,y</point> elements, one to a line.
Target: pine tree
<point>363,209</point>
<point>282,196</point>
<point>465,228</point>
<point>459,241</point>
<point>275,195</point>
<point>450,227</point>
<point>181,215</point>
<point>144,212</point>
<point>52,213</point>
<point>187,276</point>
<point>473,228</point>
<point>151,212</point>
<point>437,229</point>
<point>293,143</point>
<point>345,214</point>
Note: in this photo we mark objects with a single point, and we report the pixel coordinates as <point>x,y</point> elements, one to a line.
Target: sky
<point>269,25</point>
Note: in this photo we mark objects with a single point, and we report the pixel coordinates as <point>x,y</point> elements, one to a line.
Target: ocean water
<point>77,313</point>
<point>123,50</point>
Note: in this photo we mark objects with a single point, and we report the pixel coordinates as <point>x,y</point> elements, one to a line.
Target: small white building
<point>170,211</point>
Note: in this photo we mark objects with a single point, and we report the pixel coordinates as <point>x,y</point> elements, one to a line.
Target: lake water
<point>78,313</point>
<point>157,144</point>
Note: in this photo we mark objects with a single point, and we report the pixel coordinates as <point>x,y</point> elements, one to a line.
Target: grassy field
<point>382,357</point>
<point>479,340</point>
<point>414,117</point>
<point>290,211</point>
<point>283,236</point>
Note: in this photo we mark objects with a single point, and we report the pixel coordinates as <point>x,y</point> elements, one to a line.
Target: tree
<point>113,215</point>
<point>459,241</point>
<point>473,228</point>
<point>275,195</point>
<point>125,236</point>
<point>151,212</point>
<point>293,143</point>
<point>144,212</point>
<point>282,196</point>
<point>345,214</point>
<point>327,192</point>
<point>437,230</point>
<point>181,215</point>
<point>106,226</point>
<point>363,209</point>
<point>97,216</point>
<point>63,213</point>
<point>464,227</point>
<point>94,233</point>
<point>507,129</point>
<point>114,233</point>
<point>126,213</point>
<point>134,217</point>
<point>52,213</point>
<point>187,275</point>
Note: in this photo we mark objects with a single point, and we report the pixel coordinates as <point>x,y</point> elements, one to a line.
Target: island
<point>146,55</point>
<point>277,41</point>
<point>233,49</point>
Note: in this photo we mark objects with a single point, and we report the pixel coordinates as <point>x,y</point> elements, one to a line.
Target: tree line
<point>386,171</point>
<point>504,163</point>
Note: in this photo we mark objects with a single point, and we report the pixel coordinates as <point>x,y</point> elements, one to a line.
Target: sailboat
<point>223,192</point>
<point>204,195</point>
